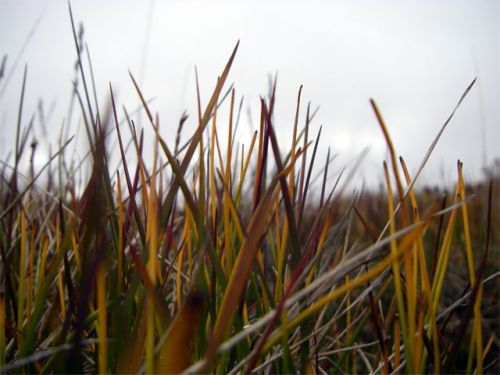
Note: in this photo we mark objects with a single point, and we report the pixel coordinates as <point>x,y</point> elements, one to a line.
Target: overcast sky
<point>415,58</point>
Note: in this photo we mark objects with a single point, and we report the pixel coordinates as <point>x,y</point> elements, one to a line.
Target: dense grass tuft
<point>219,258</point>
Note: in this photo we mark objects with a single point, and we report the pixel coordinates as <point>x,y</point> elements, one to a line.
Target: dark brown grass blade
<point>67,269</point>
<point>285,191</point>
<point>262,153</point>
<point>182,120</point>
<point>93,213</point>
<point>308,179</point>
<point>304,160</point>
<point>325,176</point>
<point>132,189</point>
<point>365,224</point>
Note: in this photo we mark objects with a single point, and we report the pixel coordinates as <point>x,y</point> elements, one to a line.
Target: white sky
<point>414,57</point>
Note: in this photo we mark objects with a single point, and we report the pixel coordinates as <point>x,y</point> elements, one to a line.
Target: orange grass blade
<point>174,353</point>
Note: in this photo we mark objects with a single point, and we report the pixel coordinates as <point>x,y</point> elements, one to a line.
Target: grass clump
<point>215,258</point>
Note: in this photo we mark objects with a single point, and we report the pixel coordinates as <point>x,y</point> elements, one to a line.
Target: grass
<point>217,257</point>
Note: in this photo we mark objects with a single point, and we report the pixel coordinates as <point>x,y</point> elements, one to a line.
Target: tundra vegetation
<point>237,257</point>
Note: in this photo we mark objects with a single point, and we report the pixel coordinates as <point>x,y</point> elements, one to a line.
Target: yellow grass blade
<point>152,264</point>
<point>477,336</point>
<point>245,167</point>
<point>77,254</point>
<point>394,163</point>
<point>465,217</point>
<point>408,341</point>
<point>444,254</point>
<point>421,265</point>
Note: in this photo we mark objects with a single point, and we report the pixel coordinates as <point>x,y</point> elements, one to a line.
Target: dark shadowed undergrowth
<point>238,257</point>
